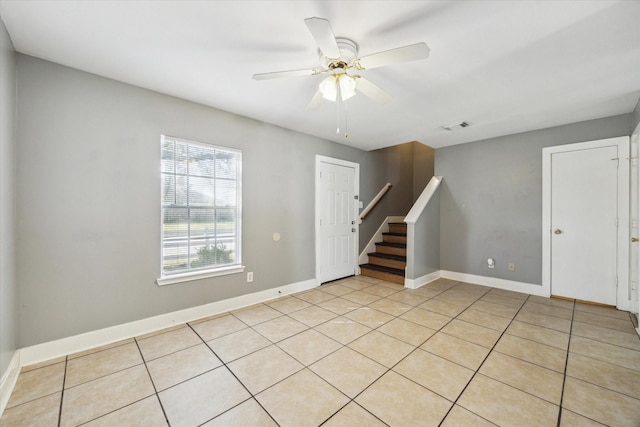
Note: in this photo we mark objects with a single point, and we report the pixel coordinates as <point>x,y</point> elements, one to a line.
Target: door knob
<point>634,239</point>
<point>557,231</point>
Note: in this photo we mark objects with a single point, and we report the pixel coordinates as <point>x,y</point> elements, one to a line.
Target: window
<point>201,199</point>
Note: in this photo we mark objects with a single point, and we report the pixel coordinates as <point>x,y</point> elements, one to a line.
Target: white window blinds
<point>201,198</point>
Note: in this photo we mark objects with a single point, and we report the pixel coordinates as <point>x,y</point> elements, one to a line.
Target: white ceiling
<point>502,66</point>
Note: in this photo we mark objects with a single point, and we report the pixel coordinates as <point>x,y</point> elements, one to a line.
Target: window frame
<point>214,271</point>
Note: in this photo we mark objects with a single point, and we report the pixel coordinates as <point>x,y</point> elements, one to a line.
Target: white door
<point>337,223</point>
<point>584,215</point>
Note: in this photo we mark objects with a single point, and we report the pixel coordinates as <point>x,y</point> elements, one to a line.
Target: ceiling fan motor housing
<point>348,53</point>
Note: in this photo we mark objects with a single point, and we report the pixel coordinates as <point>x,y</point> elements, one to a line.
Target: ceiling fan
<point>339,60</point>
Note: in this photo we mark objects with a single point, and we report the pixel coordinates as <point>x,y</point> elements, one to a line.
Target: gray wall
<point>636,117</point>
<point>491,198</point>
<point>88,200</point>
<point>425,241</point>
<point>8,283</point>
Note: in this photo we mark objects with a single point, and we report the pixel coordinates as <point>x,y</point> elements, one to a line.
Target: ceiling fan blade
<point>372,91</point>
<point>290,73</point>
<point>323,34</point>
<point>401,54</point>
<point>315,101</point>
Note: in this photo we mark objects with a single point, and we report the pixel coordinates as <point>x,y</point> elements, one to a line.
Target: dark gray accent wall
<point>408,167</point>
<point>423,167</point>
<point>491,198</point>
<point>88,200</point>
<point>8,282</point>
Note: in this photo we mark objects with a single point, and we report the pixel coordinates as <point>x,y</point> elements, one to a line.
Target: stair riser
<point>397,228</point>
<point>394,239</point>
<point>382,275</point>
<point>387,262</point>
<point>391,250</point>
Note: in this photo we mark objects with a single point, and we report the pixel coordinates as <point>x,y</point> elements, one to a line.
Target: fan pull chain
<point>337,116</point>
<point>346,120</point>
<point>338,101</point>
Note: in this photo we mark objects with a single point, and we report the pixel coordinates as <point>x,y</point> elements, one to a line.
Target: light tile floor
<point>358,351</point>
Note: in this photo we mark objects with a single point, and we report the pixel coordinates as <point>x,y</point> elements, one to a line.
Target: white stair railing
<point>423,237</point>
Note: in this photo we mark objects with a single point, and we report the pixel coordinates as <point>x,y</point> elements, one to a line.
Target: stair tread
<point>398,223</point>
<point>395,234</point>
<point>390,270</point>
<point>388,256</point>
<point>395,245</point>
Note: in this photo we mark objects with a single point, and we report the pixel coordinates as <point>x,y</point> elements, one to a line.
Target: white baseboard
<point>8,381</point>
<point>52,349</point>
<point>421,281</point>
<point>509,285</point>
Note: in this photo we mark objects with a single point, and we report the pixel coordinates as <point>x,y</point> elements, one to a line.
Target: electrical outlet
<point>511,266</point>
<point>250,277</point>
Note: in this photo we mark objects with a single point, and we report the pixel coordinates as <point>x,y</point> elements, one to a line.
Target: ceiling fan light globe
<point>347,86</point>
<point>329,88</point>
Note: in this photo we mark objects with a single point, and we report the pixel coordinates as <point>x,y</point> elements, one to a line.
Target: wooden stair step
<point>397,227</point>
<point>394,237</point>
<point>391,248</point>
<point>388,256</point>
<point>395,245</point>
<point>388,260</point>
<point>389,274</point>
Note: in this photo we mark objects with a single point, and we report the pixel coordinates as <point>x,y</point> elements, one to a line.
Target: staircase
<point>389,260</point>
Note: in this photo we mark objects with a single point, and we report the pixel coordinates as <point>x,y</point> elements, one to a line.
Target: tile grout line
<point>153,384</point>
<point>353,399</point>
<point>482,363</point>
<point>396,316</point>
<point>379,298</point>
<point>591,358</point>
<point>413,351</point>
<point>224,364</point>
<point>314,304</point>
<point>121,370</point>
<point>566,362</point>
<point>64,379</point>
<point>333,352</point>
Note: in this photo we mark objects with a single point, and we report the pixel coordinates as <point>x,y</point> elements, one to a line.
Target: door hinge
<point>356,197</point>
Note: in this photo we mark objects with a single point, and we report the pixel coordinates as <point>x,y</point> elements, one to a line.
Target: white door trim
<point>624,289</point>
<point>356,183</point>
<point>634,209</point>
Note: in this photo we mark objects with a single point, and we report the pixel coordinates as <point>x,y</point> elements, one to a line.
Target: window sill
<point>186,277</point>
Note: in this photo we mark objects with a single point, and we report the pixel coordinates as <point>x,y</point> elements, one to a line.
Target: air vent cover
<point>456,126</point>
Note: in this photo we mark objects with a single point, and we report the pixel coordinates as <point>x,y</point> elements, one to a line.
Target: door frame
<point>623,292</point>
<point>318,197</point>
<point>634,250</point>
